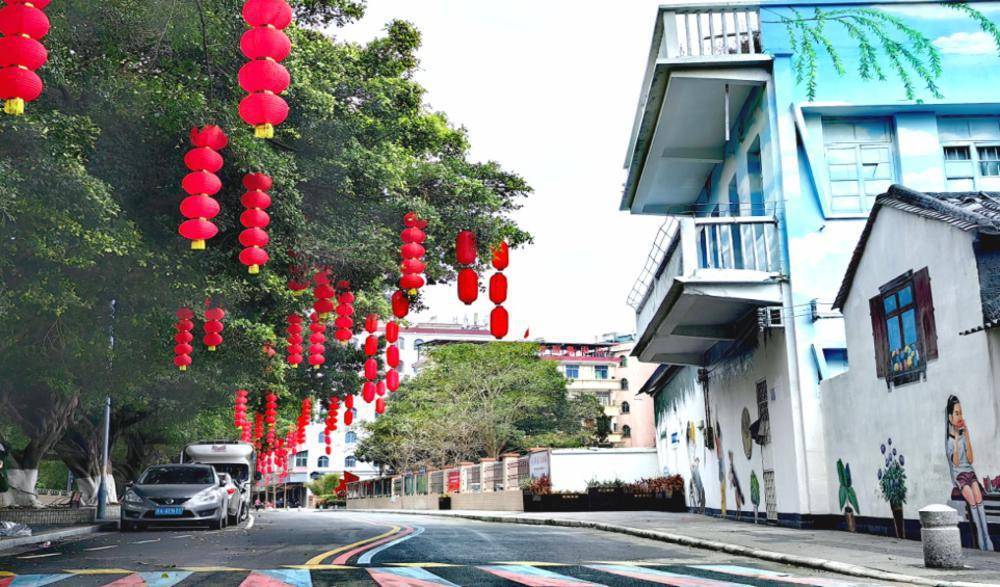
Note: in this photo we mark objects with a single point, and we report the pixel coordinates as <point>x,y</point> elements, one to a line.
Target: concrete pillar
<point>939,533</point>
<point>464,468</point>
<point>510,480</point>
<point>486,474</point>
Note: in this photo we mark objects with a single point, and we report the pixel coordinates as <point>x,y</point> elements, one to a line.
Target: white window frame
<point>977,172</point>
<point>859,147</point>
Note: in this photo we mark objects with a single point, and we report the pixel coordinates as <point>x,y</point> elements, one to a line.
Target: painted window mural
<point>903,328</point>
<point>859,162</point>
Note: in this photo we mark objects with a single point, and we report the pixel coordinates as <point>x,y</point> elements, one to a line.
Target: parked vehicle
<point>233,458</point>
<point>174,494</point>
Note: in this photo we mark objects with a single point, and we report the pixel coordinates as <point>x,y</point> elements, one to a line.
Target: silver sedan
<point>176,494</point>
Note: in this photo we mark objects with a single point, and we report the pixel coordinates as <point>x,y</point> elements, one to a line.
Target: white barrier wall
<point>571,468</point>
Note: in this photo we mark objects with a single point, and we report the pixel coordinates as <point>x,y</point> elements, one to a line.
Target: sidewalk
<point>52,534</point>
<point>859,555</point>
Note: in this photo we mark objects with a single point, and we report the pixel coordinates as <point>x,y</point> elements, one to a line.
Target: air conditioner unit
<point>770,317</point>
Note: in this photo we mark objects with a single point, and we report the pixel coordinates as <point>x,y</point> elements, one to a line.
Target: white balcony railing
<point>731,28</point>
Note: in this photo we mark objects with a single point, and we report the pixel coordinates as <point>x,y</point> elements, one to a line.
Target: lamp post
<point>102,491</point>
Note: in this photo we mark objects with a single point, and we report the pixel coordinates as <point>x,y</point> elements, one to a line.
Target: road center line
<point>366,558</point>
<point>31,556</point>
<point>147,541</point>
<point>316,560</point>
<point>346,556</point>
<point>101,547</point>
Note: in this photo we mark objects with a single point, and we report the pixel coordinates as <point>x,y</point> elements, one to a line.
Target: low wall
<point>54,516</point>
<point>507,501</point>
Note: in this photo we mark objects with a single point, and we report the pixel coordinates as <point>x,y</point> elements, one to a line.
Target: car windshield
<point>177,476</point>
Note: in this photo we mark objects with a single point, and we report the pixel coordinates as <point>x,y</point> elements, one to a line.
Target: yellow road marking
<point>99,571</point>
<point>316,560</point>
<point>6,574</point>
<point>211,569</point>
<point>427,565</point>
<point>532,564</point>
<point>320,567</point>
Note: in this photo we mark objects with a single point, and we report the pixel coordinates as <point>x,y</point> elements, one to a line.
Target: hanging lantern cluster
<point>345,309</point>
<point>348,410</point>
<point>305,416</point>
<point>392,355</point>
<point>254,220</point>
<point>183,338</point>
<point>240,415</point>
<point>499,319</point>
<point>22,24</point>
<point>317,341</point>
<point>294,331</point>
<point>258,430</point>
<point>468,279</point>
<point>412,252</point>
<point>297,281</point>
<point>371,363</point>
<point>270,416</point>
<point>263,77</point>
<point>201,183</point>
<point>333,406</point>
<point>323,294</point>
<point>213,327</point>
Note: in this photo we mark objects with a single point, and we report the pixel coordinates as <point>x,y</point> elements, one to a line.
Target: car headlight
<point>133,497</point>
<point>206,496</point>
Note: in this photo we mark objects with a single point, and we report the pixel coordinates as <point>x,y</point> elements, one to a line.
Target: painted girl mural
<point>958,448</point>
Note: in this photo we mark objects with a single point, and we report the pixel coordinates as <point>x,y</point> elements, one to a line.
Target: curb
<point>8,543</point>
<point>736,549</point>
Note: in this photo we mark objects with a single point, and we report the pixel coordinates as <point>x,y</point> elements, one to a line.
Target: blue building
<point>765,164</point>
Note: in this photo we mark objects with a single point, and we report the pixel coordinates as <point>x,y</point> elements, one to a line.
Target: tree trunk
<point>22,488</point>
<point>89,486</point>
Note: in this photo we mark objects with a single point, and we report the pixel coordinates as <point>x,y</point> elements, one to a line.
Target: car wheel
<point>127,526</point>
<point>216,524</point>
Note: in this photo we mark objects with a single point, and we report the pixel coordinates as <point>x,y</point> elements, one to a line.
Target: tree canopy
<point>478,400</point>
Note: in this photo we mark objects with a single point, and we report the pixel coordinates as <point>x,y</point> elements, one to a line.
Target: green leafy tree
<point>92,269</point>
<point>478,400</point>
<point>325,488</point>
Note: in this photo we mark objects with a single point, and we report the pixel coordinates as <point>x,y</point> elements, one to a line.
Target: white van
<point>235,458</point>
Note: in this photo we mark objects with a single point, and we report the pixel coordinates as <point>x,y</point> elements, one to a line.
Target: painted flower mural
<point>892,484</point>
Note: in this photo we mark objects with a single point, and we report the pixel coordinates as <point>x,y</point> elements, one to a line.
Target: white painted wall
<point>571,468</point>
<point>861,413</point>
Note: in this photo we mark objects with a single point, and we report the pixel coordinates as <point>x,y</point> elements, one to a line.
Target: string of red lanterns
<point>263,78</point>
<point>323,294</point>
<point>213,327</point>
<point>392,355</point>
<point>412,252</point>
<point>468,279</point>
<point>201,183</point>
<point>258,430</point>
<point>240,411</point>
<point>270,417</point>
<point>348,410</point>
<point>317,340</point>
<point>183,338</point>
<point>255,220</point>
<point>305,416</point>
<point>22,23</point>
<point>345,309</point>
<point>499,319</point>
<point>294,331</point>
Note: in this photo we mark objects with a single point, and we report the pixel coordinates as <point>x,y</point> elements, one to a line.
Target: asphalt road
<point>344,548</point>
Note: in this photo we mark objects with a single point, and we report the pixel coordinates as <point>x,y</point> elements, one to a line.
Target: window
<point>302,459</point>
<point>572,371</point>
<point>418,343</point>
<point>859,162</point>
<point>626,431</point>
<point>903,328</point>
<point>625,408</point>
<point>401,343</point>
<point>604,398</point>
<point>600,372</point>
<point>351,437</point>
<point>623,361</point>
<point>321,437</point>
<point>350,461</point>
<point>624,384</point>
<point>971,148</point>
<point>323,462</point>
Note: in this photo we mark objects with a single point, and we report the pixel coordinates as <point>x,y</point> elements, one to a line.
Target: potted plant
<point>848,498</point>
<point>444,501</point>
<point>754,494</point>
<point>892,485</point>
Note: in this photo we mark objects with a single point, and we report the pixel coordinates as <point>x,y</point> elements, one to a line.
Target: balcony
<point>592,385</point>
<point>705,63</point>
<point>612,411</point>
<point>614,438</point>
<point>703,276</point>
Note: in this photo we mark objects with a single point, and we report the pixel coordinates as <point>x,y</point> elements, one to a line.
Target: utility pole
<point>102,491</point>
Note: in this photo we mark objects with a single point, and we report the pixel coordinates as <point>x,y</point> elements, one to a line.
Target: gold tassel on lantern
<point>198,245</point>
<point>14,106</point>
<point>264,131</point>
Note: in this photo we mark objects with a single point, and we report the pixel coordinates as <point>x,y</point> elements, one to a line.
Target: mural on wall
<point>695,488</point>
<point>958,449</point>
<point>754,494</point>
<point>848,498</point>
<point>722,468</point>
<point>737,489</point>
<point>747,436</point>
<point>892,484</point>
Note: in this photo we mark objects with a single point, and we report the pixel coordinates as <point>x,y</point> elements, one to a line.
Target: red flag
<point>527,333</point>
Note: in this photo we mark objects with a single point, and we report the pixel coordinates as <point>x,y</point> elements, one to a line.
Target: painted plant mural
<point>892,484</point>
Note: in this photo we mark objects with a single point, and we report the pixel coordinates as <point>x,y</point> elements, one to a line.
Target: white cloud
<point>962,43</point>
<point>935,12</point>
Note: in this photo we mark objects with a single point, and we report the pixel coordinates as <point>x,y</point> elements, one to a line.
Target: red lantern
<point>258,429</point>
<point>371,323</point>
<point>254,219</point>
<point>380,406</point>
<point>392,379</point>
<point>348,416</point>
<point>323,293</point>
<point>349,402</point>
<point>498,288</point>
<point>501,256</point>
<point>412,252</point>
<point>213,327</point>
<point>400,304</point>
<point>468,286</point>
<point>499,322</point>
<point>392,356</point>
<point>392,332</point>
<point>201,184</point>
<point>317,340</point>
<point>263,78</point>
<point>183,338</point>
<point>371,369</point>
<point>380,388</point>
<point>368,391</point>
<point>22,23</point>
<point>465,247</point>
<point>344,312</point>
<point>294,331</point>
<point>371,345</point>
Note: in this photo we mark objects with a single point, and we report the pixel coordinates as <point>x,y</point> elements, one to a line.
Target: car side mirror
<point>222,482</point>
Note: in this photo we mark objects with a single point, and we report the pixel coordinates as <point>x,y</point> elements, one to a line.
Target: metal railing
<point>712,31</point>
<point>661,243</point>
<point>748,243</point>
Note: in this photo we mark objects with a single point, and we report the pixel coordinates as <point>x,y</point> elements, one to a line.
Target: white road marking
<point>147,541</point>
<point>250,521</point>
<point>185,536</point>
<point>366,558</point>
<point>31,556</point>
<point>100,547</point>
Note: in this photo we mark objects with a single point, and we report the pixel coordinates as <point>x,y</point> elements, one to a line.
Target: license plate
<point>169,511</point>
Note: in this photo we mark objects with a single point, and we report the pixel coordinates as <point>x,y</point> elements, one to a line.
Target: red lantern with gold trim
<point>199,207</point>
<point>400,304</point>
<point>264,77</point>
<point>255,220</point>
<point>213,327</point>
<point>317,341</point>
<point>294,331</point>
<point>468,286</point>
<point>183,338</point>
<point>23,25</point>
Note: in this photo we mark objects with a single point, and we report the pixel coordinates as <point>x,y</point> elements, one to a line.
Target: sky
<point>549,89</point>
